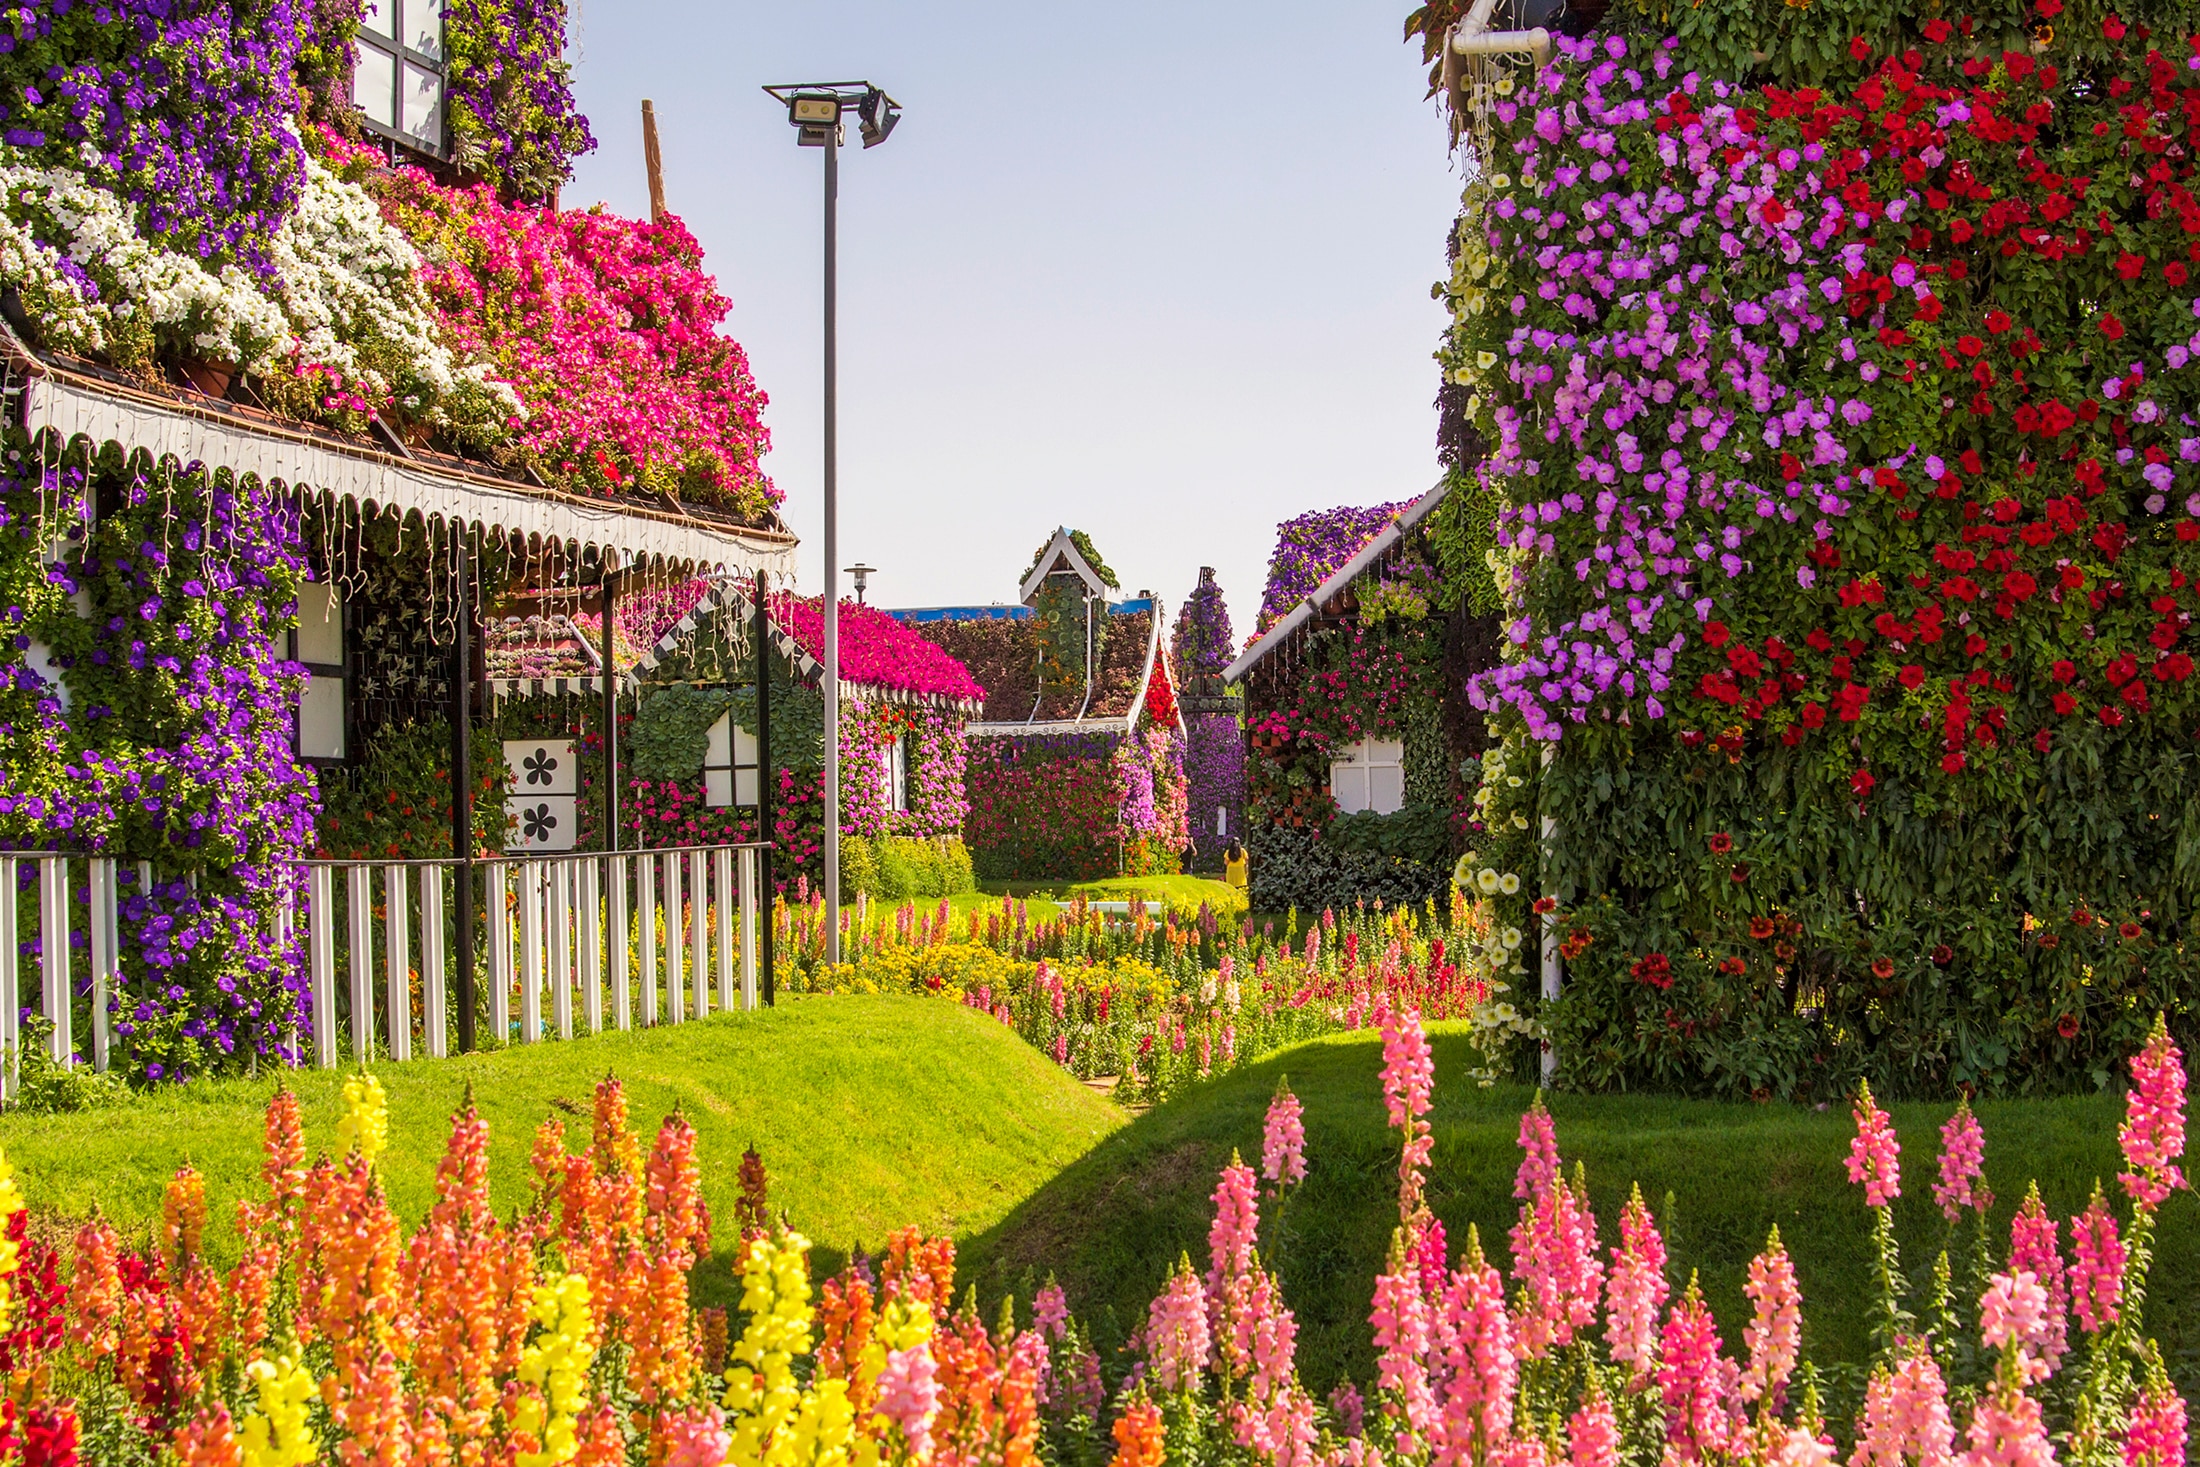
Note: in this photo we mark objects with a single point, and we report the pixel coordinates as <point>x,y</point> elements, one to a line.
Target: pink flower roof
<point>877,650</point>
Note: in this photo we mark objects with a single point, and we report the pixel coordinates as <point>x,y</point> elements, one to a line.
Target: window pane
<point>320,625</point>
<point>744,787</point>
<point>718,788</point>
<point>374,86</point>
<point>424,28</point>
<point>718,743</point>
<point>1386,790</point>
<point>1348,783</point>
<point>1386,751</point>
<point>380,18</point>
<point>423,105</point>
<point>321,719</point>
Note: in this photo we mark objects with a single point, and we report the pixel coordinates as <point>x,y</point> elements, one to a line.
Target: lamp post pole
<point>832,549</point>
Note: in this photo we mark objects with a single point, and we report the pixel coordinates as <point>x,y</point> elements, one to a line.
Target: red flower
<point>2067,1026</point>
<point>1721,843</point>
<point>1861,782</point>
<point>1952,763</point>
<point>1774,211</point>
<point>1654,969</point>
<point>1943,955</point>
<point>2113,717</point>
<point>1762,928</point>
<point>1911,676</point>
<point>1970,346</point>
<point>1882,968</point>
<point>1740,874</point>
<point>2131,932</point>
<point>2112,328</point>
<point>1859,48</point>
<point>2113,28</point>
<point>2063,671</point>
<point>1715,633</point>
<point>1545,905</point>
<point>1998,322</point>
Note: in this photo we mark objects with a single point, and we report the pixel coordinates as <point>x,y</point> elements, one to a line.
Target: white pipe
<point>1552,967</point>
<point>1478,18</point>
<point>1493,43</point>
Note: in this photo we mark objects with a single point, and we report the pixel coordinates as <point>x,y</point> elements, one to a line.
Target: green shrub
<point>897,868</point>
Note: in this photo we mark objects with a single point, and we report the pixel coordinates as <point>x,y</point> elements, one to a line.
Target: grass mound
<point>1111,1225</point>
<point>871,1114</point>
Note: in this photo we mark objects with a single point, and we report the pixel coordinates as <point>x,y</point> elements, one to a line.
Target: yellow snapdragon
<point>365,1127</point>
<point>11,1203</point>
<point>556,1364</point>
<point>278,1434</point>
<point>774,1421</point>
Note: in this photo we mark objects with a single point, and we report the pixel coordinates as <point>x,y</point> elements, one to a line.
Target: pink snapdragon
<point>1962,1171</point>
<point>1875,1155</point>
<point>1400,1317</point>
<point>2097,1281</point>
<point>2153,1132</point>
<point>1050,1310</point>
<point>1774,1332</point>
<point>909,1394</point>
<point>2007,1431</point>
<point>697,1438</point>
<point>1694,1381</point>
<point>1593,1431</point>
<point>1409,1074</point>
<point>2013,1320</point>
<point>1234,1235</point>
<point>1555,1258</point>
<point>2155,1434</point>
<point>1177,1341</point>
<point>1480,1368</point>
<point>1283,1140</point>
<point>1539,1166</point>
<point>1906,1416</point>
<point>2035,1248</point>
<point>1638,1290</point>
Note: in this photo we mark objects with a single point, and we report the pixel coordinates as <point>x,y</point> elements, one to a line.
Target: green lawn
<point>1191,890</point>
<point>870,1113</point>
<point>1115,1220</point>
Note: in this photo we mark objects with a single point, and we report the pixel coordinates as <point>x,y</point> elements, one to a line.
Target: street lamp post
<point>815,111</point>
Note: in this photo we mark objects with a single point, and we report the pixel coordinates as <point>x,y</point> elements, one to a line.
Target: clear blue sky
<point>1158,270</point>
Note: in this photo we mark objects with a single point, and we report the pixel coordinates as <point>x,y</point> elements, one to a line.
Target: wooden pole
<point>655,163</point>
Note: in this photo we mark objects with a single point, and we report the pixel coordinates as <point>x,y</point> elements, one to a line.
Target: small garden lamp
<point>863,574</point>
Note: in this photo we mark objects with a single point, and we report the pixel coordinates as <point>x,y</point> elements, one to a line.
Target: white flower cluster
<point>349,302</point>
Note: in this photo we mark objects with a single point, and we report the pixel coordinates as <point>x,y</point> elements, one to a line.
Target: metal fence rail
<point>671,935</point>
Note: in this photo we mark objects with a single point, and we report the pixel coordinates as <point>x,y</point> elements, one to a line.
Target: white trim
<point>1340,578</point>
<point>300,460</point>
<point>1061,547</point>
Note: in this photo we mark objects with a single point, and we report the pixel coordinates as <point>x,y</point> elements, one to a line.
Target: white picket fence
<point>564,934</point>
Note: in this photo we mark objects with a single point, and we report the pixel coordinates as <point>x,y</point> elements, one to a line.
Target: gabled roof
<point>1003,654</point>
<point>882,660</point>
<point>1061,554</point>
<point>1368,557</point>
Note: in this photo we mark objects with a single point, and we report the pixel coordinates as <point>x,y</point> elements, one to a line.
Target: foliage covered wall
<point>1077,806</point>
<point>1845,438</point>
<point>1214,742</point>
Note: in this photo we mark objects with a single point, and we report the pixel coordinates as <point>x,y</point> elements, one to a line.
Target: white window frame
<point>1369,775</point>
<point>729,765</point>
<point>411,67</point>
<point>894,775</point>
<point>318,643</point>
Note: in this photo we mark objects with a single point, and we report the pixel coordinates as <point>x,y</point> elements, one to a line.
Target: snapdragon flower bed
<point>569,1330</point>
<point>1156,1004</point>
<point>1843,434</point>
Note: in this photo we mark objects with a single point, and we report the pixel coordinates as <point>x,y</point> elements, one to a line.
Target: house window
<point>893,775</point>
<point>318,643</point>
<point>729,765</point>
<point>1369,775</point>
<point>398,84</point>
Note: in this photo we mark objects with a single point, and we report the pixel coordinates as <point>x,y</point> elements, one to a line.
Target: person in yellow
<point>1234,864</point>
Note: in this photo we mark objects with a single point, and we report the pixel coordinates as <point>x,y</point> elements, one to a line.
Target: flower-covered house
<point>305,377</point>
<point>1201,649</point>
<point>1360,747</point>
<point>691,748</point>
<point>1076,764</point>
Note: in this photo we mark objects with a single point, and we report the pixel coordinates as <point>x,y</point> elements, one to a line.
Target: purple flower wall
<point>174,744</point>
<point>1214,752</point>
<point>1309,550</point>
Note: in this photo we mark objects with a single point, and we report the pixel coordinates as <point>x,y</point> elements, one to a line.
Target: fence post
<point>104,935</point>
<point>397,960</point>
<point>591,969</point>
<point>433,996</point>
<point>675,941</point>
<point>748,929</point>
<point>622,1009</point>
<point>321,940</point>
<point>699,929</point>
<point>11,1003</point>
<point>530,951</point>
<point>53,952</point>
<point>645,886</point>
<point>359,896</point>
<point>500,950</point>
<point>722,878</point>
<point>561,874</point>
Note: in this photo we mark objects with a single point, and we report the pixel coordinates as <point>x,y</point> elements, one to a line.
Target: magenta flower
<point>1409,1074</point>
<point>2155,1435</point>
<point>2153,1132</point>
<point>1177,1342</point>
<point>1480,1370</point>
<point>1692,1382</point>
<point>1774,1332</point>
<point>2013,1320</point>
<point>1592,1432</point>
<point>1875,1156</point>
<point>2033,1248</point>
<point>2007,1431</point>
<point>1906,1416</point>
<point>1539,1168</point>
<point>1400,1317</point>
<point>1638,1290</point>
<point>1962,1172</point>
<point>1283,1140</point>
<point>2097,1282</point>
<point>1235,1232</point>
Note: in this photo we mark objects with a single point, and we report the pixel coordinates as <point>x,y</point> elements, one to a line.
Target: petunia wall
<point>1844,439</point>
